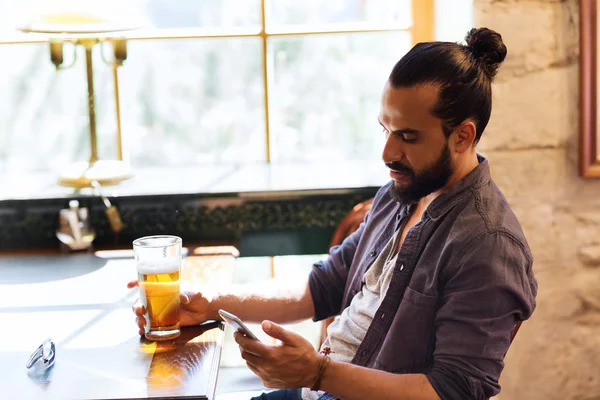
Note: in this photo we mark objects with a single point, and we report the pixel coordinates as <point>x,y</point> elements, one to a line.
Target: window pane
<point>203,13</point>
<point>325,92</point>
<point>193,101</point>
<point>452,19</point>
<point>43,112</point>
<point>156,13</point>
<point>294,12</point>
<point>183,102</point>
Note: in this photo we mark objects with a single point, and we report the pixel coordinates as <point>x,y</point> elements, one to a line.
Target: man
<point>428,290</point>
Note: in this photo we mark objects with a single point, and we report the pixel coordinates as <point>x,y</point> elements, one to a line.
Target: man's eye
<point>409,137</point>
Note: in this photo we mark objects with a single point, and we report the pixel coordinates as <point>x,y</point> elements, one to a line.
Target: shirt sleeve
<point>327,279</point>
<point>485,293</point>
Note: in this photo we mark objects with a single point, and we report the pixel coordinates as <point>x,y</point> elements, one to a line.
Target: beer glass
<point>158,266</point>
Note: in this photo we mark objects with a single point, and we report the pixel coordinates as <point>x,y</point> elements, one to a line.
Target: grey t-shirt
<point>347,331</point>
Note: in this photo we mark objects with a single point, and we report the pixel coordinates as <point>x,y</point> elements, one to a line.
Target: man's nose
<point>393,150</point>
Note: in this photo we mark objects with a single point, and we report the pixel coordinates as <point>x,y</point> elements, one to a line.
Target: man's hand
<point>292,363</point>
<point>194,308</point>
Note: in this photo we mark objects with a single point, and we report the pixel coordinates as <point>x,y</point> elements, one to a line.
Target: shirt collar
<point>479,176</point>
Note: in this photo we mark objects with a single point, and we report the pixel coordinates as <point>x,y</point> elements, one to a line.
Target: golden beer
<point>159,293</point>
<point>158,267</point>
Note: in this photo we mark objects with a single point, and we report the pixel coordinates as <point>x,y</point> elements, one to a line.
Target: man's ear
<point>464,136</point>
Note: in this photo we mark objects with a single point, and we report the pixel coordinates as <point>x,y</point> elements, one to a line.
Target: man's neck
<point>462,169</point>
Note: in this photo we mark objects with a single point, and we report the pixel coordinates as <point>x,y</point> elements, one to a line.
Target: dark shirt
<point>462,280</point>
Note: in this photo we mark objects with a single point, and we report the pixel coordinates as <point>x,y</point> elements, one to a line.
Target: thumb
<point>185,297</point>
<point>278,332</point>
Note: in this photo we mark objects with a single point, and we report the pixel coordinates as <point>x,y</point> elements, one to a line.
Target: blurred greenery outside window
<point>188,100</point>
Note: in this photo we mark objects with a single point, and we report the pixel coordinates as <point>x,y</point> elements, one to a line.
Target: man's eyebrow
<point>401,131</point>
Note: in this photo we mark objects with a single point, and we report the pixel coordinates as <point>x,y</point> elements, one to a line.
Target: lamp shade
<point>84,17</point>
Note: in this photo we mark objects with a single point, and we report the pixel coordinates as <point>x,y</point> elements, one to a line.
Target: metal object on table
<point>43,357</point>
<point>74,229</point>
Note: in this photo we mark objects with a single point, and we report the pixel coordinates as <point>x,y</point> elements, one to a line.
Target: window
<point>193,89</point>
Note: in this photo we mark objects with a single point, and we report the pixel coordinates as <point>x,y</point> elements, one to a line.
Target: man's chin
<point>401,188</point>
<point>401,193</point>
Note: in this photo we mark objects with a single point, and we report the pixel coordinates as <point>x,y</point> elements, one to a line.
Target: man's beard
<point>431,179</point>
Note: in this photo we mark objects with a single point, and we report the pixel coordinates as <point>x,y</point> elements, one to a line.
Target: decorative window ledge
<point>263,209</point>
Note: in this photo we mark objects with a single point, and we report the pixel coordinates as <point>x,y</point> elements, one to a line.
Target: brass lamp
<point>87,31</point>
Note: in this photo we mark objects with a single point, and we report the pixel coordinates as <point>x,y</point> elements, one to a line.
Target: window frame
<point>421,29</point>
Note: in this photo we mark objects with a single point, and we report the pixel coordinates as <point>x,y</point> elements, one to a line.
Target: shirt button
<point>372,253</point>
<point>382,315</point>
<point>363,353</point>
<point>401,267</point>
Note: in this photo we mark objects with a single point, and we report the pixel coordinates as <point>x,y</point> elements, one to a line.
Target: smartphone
<point>237,324</point>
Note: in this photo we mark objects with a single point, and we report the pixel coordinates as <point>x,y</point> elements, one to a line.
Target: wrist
<point>213,308</point>
<point>327,376</point>
<point>314,364</point>
<point>319,367</point>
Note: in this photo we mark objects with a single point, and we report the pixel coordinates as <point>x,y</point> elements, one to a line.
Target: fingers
<point>185,297</point>
<point>250,358</point>
<point>253,368</point>
<point>252,346</point>
<point>132,284</point>
<point>141,323</point>
<point>138,308</point>
<point>257,372</point>
<point>266,382</point>
<point>278,332</point>
<point>140,320</point>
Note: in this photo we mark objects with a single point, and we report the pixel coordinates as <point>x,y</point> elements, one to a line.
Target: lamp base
<point>106,172</point>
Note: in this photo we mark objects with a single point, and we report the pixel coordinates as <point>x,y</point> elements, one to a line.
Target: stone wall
<point>532,146</point>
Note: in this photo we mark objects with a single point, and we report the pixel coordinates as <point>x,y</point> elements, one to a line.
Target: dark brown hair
<point>464,74</point>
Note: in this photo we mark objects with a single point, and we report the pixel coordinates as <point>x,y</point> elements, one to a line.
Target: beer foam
<point>157,267</point>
